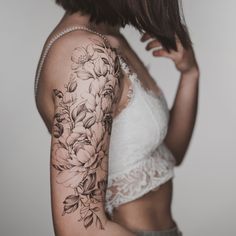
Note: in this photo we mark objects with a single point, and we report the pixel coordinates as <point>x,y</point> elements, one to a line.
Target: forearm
<point>183,114</point>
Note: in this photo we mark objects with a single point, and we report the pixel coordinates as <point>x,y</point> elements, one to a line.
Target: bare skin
<point>153,210</point>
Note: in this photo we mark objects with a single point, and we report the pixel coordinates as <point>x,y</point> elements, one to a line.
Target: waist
<point>150,212</point>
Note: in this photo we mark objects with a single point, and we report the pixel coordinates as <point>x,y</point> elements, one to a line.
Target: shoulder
<point>62,49</point>
<point>88,42</point>
<point>76,50</point>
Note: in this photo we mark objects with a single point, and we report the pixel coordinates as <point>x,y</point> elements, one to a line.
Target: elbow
<point>179,157</point>
<point>178,162</point>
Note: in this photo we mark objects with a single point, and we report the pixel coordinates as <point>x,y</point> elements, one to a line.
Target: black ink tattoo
<point>82,126</point>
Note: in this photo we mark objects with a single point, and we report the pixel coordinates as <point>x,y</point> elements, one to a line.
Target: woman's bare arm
<point>183,115</point>
<point>85,91</point>
<point>184,110</point>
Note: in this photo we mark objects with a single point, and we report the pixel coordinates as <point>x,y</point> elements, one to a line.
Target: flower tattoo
<point>82,126</point>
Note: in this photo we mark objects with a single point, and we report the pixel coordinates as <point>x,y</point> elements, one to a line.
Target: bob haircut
<point>161,19</point>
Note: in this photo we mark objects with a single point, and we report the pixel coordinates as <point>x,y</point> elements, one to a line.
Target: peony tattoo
<point>81,129</point>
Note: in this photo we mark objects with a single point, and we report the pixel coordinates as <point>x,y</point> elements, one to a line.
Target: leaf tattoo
<point>81,129</point>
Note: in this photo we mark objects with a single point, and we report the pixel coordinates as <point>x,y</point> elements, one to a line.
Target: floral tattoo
<point>82,126</point>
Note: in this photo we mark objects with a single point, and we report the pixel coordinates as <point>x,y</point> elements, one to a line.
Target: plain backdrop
<point>204,185</point>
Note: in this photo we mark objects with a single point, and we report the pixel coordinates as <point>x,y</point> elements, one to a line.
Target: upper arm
<point>85,96</point>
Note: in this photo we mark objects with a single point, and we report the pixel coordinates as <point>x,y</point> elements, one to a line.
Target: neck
<point>103,28</point>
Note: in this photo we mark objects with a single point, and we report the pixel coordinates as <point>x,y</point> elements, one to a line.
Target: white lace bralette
<point>139,160</point>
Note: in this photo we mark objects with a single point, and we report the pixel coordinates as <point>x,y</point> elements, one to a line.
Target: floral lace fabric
<point>135,181</point>
<point>139,160</point>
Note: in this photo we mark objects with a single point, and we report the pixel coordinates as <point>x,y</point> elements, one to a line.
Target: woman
<point>100,104</point>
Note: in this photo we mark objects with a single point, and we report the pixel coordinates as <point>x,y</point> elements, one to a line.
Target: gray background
<point>203,187</point>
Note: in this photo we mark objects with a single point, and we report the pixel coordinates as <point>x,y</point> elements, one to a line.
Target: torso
<point>153,210</point>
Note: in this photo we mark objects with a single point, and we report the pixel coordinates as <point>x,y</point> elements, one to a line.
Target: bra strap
<point>56,37</point>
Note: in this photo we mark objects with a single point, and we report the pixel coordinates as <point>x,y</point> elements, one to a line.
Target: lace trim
<point>131,90</point>
<point>138,179</point>
<point>133,77</point>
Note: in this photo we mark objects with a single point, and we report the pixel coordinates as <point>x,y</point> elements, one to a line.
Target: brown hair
<point>160,18</point>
